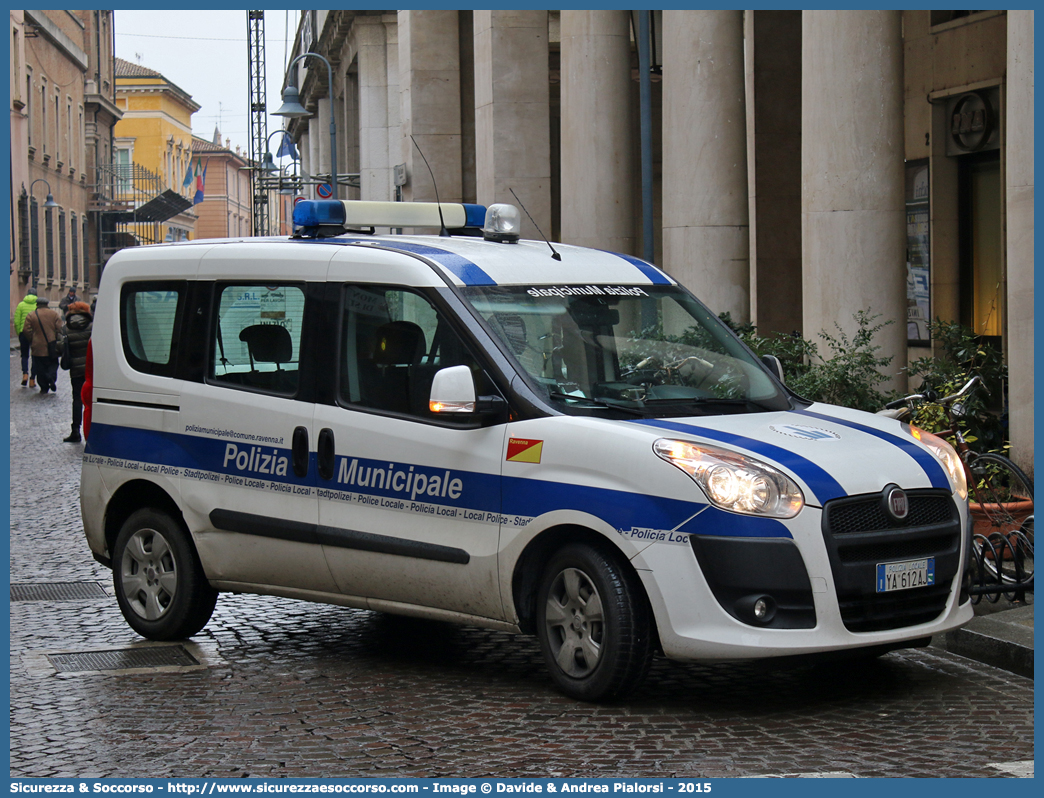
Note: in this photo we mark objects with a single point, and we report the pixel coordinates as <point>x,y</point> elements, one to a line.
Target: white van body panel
<point>493,494</point>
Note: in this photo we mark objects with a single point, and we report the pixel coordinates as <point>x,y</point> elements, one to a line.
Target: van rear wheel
<point>594,624</point>
<point>159,582</point>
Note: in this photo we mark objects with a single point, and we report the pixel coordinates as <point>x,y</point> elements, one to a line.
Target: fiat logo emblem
<point>897,505</point>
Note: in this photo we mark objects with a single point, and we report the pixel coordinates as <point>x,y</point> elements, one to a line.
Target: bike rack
<point>995,553</point>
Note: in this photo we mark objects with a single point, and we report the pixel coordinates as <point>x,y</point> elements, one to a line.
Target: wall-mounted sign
<point>973,121</point>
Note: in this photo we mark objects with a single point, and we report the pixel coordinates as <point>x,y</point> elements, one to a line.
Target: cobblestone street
<point>291,689</point>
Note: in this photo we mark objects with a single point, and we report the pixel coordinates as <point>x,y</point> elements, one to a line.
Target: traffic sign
<point>324,190</point>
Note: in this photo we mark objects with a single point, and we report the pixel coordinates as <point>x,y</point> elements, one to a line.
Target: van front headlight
<point>947,456</point>
<point>733,481</point>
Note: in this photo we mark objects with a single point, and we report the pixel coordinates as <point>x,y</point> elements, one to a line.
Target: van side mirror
<point>773,364</point>
<point>453,391</point>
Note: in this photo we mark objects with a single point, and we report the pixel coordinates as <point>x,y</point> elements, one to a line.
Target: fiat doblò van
<point>538,438</point>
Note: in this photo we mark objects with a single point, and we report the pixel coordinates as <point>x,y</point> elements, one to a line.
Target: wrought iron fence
<point>1002,565</point>
<point>122,189</point>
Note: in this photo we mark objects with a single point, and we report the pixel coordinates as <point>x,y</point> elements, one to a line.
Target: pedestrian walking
<point>68,299</point>
<point>78,323</point>
<point>23,309</point>
<point>44,329</point>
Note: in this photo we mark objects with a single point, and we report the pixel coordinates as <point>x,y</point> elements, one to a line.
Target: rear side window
<point>257,337</point>
<point>150,316</point>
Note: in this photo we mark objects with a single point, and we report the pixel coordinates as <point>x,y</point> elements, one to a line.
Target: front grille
<point>895,550</point>
<point>859,535</point>
<point>867,514</point>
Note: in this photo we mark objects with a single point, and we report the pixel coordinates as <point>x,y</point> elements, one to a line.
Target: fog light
<point>758,609</point>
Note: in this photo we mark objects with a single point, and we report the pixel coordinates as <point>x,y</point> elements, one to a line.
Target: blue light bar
<point>474,215</point>
<point>314,213</point>
<point>332,217</point>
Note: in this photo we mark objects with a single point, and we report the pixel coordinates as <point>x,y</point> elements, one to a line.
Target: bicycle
<point>1000,496</point>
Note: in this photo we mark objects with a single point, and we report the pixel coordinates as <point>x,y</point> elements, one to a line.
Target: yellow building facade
<point>153,144</point>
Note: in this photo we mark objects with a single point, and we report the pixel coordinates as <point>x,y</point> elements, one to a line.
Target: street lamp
<point>49,202</point>
<point>292,109</point>
<point>268,165</point>
<point>287,189</point>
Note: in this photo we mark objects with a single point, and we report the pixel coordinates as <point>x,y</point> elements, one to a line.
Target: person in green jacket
<point>23,309</point>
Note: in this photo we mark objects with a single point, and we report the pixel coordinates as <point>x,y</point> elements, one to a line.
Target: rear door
<point>248,416</point>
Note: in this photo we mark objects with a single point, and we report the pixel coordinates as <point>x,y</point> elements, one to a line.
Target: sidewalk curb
<point>1003,639</point>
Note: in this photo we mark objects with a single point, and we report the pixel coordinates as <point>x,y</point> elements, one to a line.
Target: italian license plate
<point>905,575</point>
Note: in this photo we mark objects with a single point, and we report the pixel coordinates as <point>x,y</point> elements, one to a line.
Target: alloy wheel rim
<point>575,623</point>
<point>148,574</point>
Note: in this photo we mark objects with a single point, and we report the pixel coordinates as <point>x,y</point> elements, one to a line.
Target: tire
<point>160,586</point>
<point>594,624</point>
<point>1002,510</point>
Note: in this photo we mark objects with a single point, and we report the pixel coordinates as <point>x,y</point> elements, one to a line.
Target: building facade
<point>153,149</point>
<point>227,205</point>
<point>62,116</point>
<point>790,167</point>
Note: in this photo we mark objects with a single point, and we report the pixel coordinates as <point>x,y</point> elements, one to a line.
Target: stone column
<point>1019,170</point>
<point>774,160</point>
<point>852,212</point>
<point>598,169</point>
<point>375,166</point>
<point>512,133</point>
<point>706,237</point>
<point>429,66</point>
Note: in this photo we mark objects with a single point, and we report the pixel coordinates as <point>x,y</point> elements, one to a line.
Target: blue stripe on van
<point>926,460</point>
<point>824,486</point>
<point>129,447</point>
<point>469,273</point>
<point>625,511</point>
<point>656,277</point>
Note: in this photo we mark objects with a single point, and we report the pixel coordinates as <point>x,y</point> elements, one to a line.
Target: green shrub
<point>849,375</point>
<point>963,354</point>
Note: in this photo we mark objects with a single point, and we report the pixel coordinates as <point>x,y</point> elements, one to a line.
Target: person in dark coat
<point>68,299</point>
<point>78,323</point>
<point>42,326</point>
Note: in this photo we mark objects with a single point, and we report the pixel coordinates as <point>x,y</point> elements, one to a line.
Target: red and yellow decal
<point>521,450</point>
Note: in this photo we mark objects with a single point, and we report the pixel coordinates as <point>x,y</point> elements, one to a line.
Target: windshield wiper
<point>706,400</point>
<point>637,411</point>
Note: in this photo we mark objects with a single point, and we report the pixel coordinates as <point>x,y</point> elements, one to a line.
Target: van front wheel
<point>593,623</point>
<point>159,582</point>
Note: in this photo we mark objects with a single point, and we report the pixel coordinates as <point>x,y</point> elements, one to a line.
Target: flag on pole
<point>187,182</point>
<point>201,182</point>
<point>286,147</point>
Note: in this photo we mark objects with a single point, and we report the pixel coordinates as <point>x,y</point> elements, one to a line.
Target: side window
<point>393,340</point>
<point>257,337</point>
<point>150,315</point>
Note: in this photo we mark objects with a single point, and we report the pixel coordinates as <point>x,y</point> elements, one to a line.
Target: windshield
<point>642,350</point>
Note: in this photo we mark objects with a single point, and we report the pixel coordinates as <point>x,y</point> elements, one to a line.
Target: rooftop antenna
<point>554,254</point>
<point>443,232</point>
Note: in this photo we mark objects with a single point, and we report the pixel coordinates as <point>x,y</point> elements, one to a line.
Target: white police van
<point>476,429</point>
